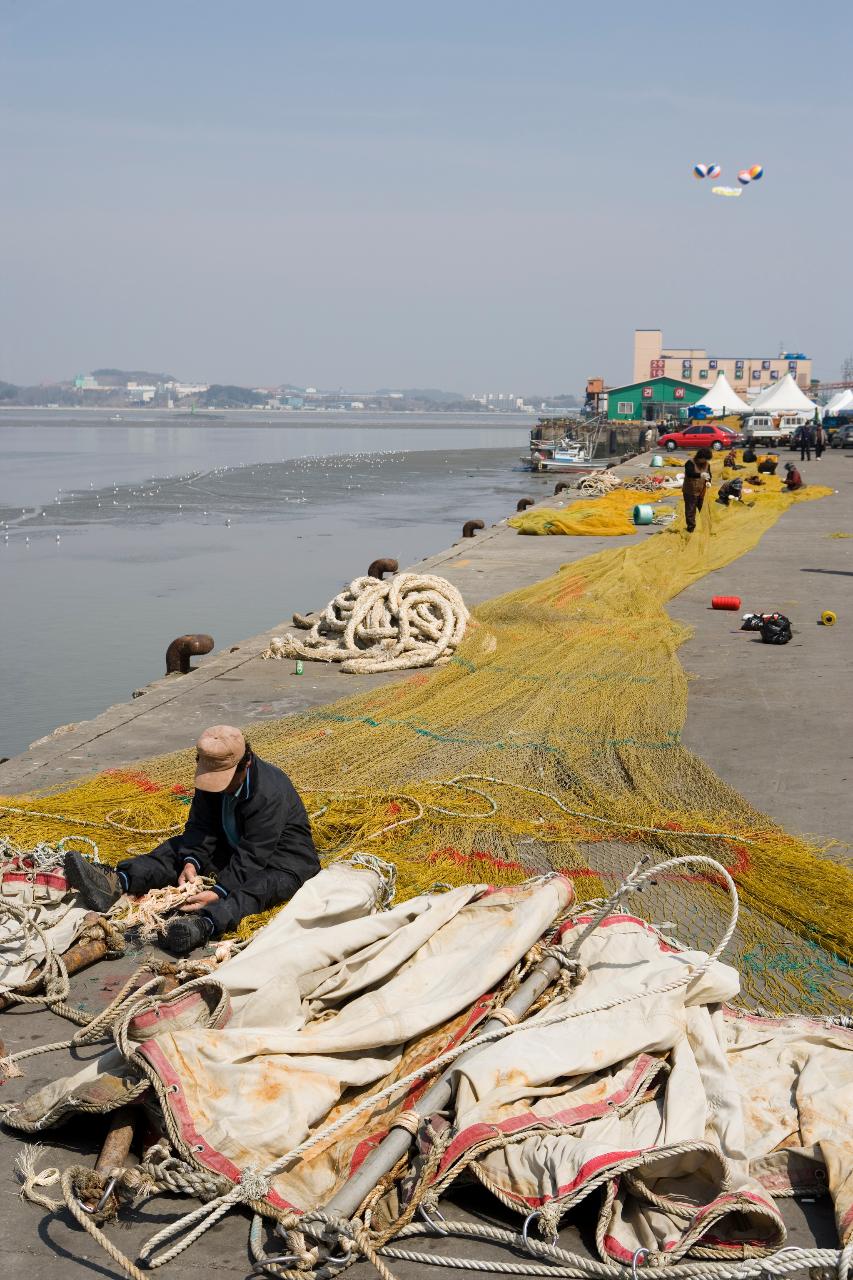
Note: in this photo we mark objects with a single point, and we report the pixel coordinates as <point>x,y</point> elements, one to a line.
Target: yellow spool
<point>828,618</point>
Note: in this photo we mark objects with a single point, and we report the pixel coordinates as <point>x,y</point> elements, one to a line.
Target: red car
<point>702,435</point>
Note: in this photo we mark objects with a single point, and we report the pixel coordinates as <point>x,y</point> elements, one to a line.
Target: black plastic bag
<point>776,629</point>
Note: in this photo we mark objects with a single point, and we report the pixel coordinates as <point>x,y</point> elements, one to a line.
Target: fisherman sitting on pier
<point>247,831</point>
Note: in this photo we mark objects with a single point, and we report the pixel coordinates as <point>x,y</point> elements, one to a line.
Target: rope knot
<point>408,1120</point>
<point>253,1184</point>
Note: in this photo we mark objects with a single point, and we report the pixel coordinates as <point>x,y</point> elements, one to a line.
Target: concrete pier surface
<point>773,721</point>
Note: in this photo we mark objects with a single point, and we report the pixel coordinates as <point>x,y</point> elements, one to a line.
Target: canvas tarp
<point>43,892</point>
<point>722,398</point>
<point>688,1115</point>
<point>783,396</point>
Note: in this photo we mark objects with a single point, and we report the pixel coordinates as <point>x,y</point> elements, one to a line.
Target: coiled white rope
<point>410,620</point>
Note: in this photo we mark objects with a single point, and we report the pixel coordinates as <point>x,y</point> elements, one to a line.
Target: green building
<point>652,400</point>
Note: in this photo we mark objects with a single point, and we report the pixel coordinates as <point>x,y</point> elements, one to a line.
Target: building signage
<point>656,368</point>
<point>648,392</point>
<point>679,393</point>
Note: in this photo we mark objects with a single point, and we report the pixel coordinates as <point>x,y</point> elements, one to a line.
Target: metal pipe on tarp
<point>381,1161</point>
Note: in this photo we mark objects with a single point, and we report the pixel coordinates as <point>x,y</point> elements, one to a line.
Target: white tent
<point>783,397</point>
<point>840,401</point>
<point>722,398</point>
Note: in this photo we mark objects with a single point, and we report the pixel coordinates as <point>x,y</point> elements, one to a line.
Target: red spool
<point>725,602</point>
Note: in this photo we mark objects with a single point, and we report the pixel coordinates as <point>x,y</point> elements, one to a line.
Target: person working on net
<point>793,479</point>
<point>697,477</point>
<point>247,830</point>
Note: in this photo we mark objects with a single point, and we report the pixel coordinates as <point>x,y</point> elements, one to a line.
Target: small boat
<point>116,417</point>
<point>566,445</point>
<point>573,457</point>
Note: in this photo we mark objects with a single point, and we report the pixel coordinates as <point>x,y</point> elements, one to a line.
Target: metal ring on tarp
<point>635,1261</point>
<point>278,1260</point>
<point>524,1230</point>
<point>439,1231</point>
<point>101,1205</point>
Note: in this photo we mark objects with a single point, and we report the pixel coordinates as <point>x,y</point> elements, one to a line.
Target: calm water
<point>224,526</point>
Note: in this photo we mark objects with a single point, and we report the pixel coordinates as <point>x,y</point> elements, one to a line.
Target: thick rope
<point>578,1267</point>
<point>412,620</point>
<point>87,1221</point>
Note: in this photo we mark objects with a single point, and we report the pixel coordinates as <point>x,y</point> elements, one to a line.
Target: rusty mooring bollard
<point>470,527</point>
<point>524,503</point>
<point>380,567</point>
<point>182,649</point>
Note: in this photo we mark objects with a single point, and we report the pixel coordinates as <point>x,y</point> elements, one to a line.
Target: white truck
<point>762,428</point>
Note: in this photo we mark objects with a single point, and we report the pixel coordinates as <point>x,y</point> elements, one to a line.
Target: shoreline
<point>486,417</point>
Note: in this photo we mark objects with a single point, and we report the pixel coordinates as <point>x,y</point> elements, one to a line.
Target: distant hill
<point>133,375</point>
<point>218,396</point>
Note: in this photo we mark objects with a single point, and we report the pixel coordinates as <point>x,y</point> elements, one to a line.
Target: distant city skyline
<point>461,196</point>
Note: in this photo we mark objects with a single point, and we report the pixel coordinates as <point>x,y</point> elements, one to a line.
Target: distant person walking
<point>806,441</point>
<point>819,440</point>
<point>697,477</point>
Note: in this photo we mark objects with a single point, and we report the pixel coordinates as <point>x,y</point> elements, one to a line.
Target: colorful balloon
<point>756,172</point>
<point>744,177</point>
<point>700,171</point>
<point>714,171</point>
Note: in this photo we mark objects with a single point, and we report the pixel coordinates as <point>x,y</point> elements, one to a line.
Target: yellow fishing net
<point>608,515</point>
<point>552,740</point>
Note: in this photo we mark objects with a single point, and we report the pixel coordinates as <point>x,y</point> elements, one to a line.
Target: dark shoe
<point>183,934</point>
<point>98,886</point>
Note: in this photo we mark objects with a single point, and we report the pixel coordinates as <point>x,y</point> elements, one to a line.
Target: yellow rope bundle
<point>551,740</point>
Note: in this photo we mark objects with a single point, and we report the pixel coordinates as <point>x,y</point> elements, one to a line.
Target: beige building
<point>747,374</point>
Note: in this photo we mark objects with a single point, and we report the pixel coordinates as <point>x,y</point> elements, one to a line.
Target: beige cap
<point>219,750</point>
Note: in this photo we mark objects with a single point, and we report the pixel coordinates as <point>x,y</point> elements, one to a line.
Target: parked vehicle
<point>836,421</point>
<point>701,435</point>
<point>842,438</point>
<point>761,428</point>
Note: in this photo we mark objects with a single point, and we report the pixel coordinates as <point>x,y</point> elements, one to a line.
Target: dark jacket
<point>273,829</point>
<point>694,477</point>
